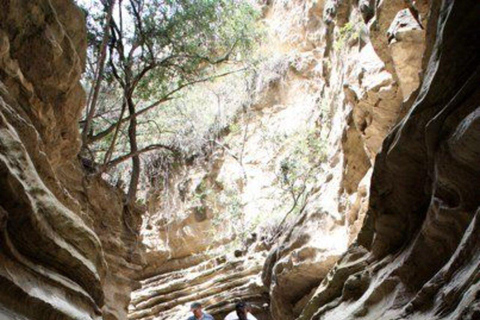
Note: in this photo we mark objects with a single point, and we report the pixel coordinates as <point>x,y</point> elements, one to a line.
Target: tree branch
<point>152,147</point>
<point>155,104</point>
<point>225,57</point>
<point>98,74</point>
<point>109,153</point>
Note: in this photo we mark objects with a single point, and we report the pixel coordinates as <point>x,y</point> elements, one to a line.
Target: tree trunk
<point>132,136</point>
<point>95,90</point>
<point>108,154</point>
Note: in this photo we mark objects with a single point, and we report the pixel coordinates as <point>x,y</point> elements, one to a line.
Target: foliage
<point>299,163</point>
<point>231,201</point>
<point>158,49</point>
<point>190,35</point>
<point>299,168</point>
<point>349,31</point>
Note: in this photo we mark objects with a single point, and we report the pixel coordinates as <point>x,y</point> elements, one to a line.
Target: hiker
<point>198,313</point>
<point>242,312</point>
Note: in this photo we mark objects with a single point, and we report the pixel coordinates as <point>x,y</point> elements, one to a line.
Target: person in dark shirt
<point>198,313</point>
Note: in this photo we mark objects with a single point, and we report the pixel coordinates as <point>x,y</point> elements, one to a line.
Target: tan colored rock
<point>407,39</point>
<point>217,283</point>
<point>331,72</point>
<point>65,249</point>
<point>366,102</point>
<point>416,255</point>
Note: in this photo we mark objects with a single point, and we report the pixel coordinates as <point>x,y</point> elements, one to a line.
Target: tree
<point>156,48</point>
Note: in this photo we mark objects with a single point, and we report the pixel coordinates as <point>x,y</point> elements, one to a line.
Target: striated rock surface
<point>368,62</point>
<point>190,252</point>
<point>66,241</point>
<point>217,283</point>
<point>416,256</point>
<point>347,84</point>
<point>338,78</point>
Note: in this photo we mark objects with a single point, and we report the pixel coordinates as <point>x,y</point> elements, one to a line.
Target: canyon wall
<point>67,244</point>
<point>416,256</point>
<point>371,57</point>
<point>345,188</point>
<point>287,185</point>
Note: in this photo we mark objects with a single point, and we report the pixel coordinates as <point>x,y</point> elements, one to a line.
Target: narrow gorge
<point>342,185</point>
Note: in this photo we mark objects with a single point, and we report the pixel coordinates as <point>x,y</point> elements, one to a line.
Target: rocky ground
<point>216,283</point>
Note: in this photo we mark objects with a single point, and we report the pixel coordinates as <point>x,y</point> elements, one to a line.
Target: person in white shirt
<point>241,312</point>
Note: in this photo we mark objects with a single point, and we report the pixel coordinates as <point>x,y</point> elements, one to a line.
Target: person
<point>198,313</point>
<point>242,312</point>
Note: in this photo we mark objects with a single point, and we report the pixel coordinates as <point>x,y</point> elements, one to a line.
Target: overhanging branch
<point>152,147</point>
<point>155,104</point>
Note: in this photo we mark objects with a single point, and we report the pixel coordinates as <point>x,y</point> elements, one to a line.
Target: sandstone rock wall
<point>369,59</point>
<point>217,283</point>
<point>67,244</point>
<point>390,83</point>
<point>189,250</point>
<point>416,256</point>
<point>339,73</point>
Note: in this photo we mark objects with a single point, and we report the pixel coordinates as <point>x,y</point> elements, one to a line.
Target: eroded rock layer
<point>389,83</point>
<point>66,241</point>
<point>339,77</point>
<point>417,254</point>
<point>216,283</point>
